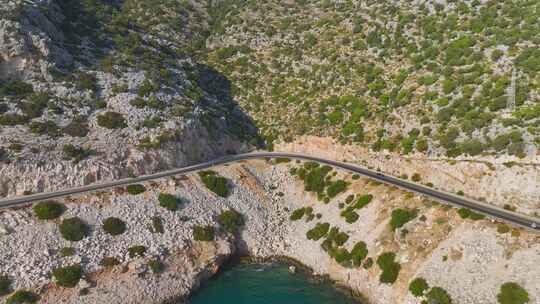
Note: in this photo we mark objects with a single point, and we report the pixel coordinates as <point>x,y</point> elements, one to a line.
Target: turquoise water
<point>266,284</point>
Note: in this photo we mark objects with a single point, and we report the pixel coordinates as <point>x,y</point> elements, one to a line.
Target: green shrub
<point>17,88</point>
<point>73,229</point>
<point>363,201</point>
<point>359,253</point>
<point>67,251</point>
<point>112,120</point>
<point>156,266</point>
<point>169,201</point>
<point>48,210</point>
<point>512,293</point>
<point>136,251</point>
<point>135,189</point>
<point>418,286</point>
<point>114,226</point>
<point>297,214</point>
<point>77,128</point>
<point>503,228</point>
<point>319,231</point>
<point>5,285</point>
<point>334,188</point>
<point>75,153</point>
<point>157,225</point>
<point>68,276</point>
<point>400,217</point>
<point>109,262</point>
<point>22,297</point>
<point>390,268</point>
<point>203,233</point>
<point>438,295</point>
<point>349,215</point>
<point>214,182</point>
<point>231,220</point>
<point>465,213</point>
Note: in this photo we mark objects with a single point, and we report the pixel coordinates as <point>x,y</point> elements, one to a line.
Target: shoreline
<point>240,259</point>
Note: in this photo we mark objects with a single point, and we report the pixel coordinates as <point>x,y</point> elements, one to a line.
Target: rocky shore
<point>469,259</point>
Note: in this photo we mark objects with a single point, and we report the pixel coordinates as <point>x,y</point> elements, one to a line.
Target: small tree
<point>136,251</point>
<point>112,120</point>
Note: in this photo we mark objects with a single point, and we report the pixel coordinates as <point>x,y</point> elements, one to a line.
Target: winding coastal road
<point>491,211</point>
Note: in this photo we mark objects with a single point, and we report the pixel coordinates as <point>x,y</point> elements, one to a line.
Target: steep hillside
<point>101,89</point>
<point>433,77</point>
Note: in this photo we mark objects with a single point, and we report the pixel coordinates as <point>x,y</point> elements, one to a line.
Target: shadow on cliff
<point>222,114</point>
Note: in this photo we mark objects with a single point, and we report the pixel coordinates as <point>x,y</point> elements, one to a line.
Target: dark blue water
<point>266,284</point>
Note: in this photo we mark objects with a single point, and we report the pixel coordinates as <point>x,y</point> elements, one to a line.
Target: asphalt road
<point>491,211</point>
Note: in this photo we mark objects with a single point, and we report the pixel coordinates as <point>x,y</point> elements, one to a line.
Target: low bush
<point>109,262</point>
<point>68,276</point>
<point>297,214</point>
<point>114,226</point>
<point>416,177</point>
<point>400,217</point>
<point>359,253</point>
<point>135,189</point>
<point>503,228</point>
<point>73,229</point>
<point>16,88</point>
<point>465,213</point>
<point>48,210</point>
<point>319,231</point>
<point>5,285</point>
<point>156,266</point>
<point>203,233</point>
<point>157,225</point>
<point>76,154</point>
<point>368,263</point>
<point>169,201</point>
<point>334,188</point>
<point>418,286</point>
<point>349,215</point>
<point>77,128</point>
<point>390,268</point>
<point>363,201</point>
<point>136,251</point>
<point>22,297</point>
<point>231,220</point>
<point>66,251</point>
<point>512,293</point>
<point>112,120</point>
<point>214,182</point>
<point>438,295</point>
